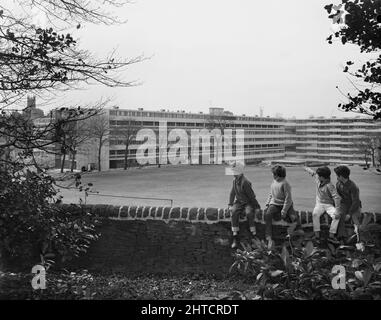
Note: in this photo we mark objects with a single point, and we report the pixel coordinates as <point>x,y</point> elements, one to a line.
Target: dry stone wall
<point>173,240</point>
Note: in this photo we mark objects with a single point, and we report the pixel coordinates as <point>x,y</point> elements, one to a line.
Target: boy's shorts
<point>276,213</point>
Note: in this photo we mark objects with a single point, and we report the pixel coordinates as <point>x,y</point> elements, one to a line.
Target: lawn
<point>208,186</point>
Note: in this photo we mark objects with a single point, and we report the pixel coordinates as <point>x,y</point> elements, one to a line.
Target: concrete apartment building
<point>264,136</point>
<point>325,140</point>
<point>332,140</point>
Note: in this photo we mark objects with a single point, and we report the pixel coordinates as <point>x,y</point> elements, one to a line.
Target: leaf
<point>367,275</point>
<point>359,275</point>
<point>276,273</point>
<point>285,256</point>
<point>331,248</point>
<point>377,267</point>
<point>259,276</point>
<point>356,263</point>
<point>328,7</point>
<point>233,265</point>
<point>309,249</point>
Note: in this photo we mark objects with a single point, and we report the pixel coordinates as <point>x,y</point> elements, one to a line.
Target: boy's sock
<point>270,243</point>
<point>235,243</point>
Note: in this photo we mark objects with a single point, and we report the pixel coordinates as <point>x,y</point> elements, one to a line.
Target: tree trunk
<point>373,159</point>
<point>39,170</point>
<point>63,162</point>
<point>126,158</point>
<point>99,156</point>
<point>72,160</point>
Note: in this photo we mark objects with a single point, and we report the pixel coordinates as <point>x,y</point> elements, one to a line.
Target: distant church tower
<point>31,102</point>
<point>31,110</point>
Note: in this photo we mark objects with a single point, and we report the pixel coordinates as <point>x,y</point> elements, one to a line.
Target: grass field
<point>208,186</point>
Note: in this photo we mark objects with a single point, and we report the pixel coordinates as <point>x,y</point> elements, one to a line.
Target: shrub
<point>306,272</point>
<point>33,225</point>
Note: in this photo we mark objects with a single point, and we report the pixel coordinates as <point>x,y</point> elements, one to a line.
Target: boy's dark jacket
<point>350,196</point>
<point>243,193</point>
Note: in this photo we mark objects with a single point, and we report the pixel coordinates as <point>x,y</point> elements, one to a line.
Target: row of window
<point>330,120</point>
<point>152,114</point>
<point>336,158</point>
<point>259,146</point>
<point>309,151</point>
<point>331,133</point>
<point>320,145</point>
<point>190,124</point>
<point>262,139</point>
<point>337,127</point>
<point>329,139</point>
<point>268,152</point>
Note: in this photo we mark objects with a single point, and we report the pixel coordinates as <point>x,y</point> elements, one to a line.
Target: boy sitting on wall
<point>350,200</point>
<point>327,200</point>
<point>279,204</point>
<point>242,201</point>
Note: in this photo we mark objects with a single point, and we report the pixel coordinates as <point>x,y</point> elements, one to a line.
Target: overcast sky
<point>240,55</point>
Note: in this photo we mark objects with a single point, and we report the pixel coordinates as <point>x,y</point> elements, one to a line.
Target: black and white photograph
<point>188,155</point>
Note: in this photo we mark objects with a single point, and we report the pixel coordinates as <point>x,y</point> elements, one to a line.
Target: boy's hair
<point>342,171</point>
<point>279,171</point>
<point>324,172</point>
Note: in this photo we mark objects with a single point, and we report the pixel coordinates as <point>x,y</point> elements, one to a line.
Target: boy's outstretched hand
<point>309,170</point>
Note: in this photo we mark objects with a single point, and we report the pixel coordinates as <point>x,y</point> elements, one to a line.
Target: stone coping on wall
<point>190,214</point>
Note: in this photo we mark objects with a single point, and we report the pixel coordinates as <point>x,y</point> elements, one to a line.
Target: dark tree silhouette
<point>37,60</point>
<point>362,27</point>
<point>127,133</point>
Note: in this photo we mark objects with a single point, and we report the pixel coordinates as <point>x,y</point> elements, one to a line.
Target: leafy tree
<point>362,27</point>
<point>41,60</point>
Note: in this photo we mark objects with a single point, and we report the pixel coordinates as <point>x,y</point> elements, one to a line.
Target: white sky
<point>240,55</point>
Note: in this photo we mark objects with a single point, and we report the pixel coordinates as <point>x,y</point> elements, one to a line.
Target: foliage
<point>40,60</point>
<point>32,225</point>
<point>82,285</point>
<point>361,27</point>
<point>305,272</point>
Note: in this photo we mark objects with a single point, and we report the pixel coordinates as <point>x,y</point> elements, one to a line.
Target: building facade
<point>263,137</point>
<point>324,140</point>
<point>332,140</point>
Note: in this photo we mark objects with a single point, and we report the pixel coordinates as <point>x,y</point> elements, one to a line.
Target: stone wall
<point>170,239</point>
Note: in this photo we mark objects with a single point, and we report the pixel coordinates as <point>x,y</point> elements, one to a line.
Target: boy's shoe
<point>235,243</point>
<point>253,236</point>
